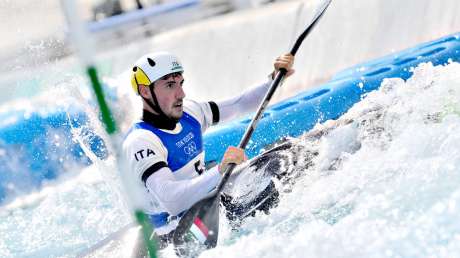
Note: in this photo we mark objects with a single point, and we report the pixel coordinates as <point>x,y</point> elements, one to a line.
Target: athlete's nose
<point>180,94</point>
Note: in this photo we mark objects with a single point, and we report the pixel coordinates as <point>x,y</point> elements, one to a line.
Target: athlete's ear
<point>144,91</point>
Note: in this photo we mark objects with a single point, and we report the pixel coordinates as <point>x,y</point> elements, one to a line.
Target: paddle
<point>200,224</point>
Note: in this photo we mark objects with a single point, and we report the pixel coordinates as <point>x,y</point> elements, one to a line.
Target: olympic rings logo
<point>190,148</point>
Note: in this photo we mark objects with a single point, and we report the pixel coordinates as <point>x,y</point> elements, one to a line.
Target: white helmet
<point>152,67</point>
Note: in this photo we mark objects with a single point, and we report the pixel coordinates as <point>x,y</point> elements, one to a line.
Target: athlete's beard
<point>178,104</point>
<point>170,118</point>
<point>176,119</point>
<point>166,121</point>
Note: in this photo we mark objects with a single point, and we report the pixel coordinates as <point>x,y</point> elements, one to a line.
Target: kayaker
<point>164,150</point>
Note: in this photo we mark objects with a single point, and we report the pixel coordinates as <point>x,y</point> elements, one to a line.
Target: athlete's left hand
<point>285,61</point>
<point>232,155</point>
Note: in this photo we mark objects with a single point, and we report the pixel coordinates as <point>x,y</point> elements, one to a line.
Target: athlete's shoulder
<point>195,108</point>
<point>140,140</point>
<point>138,132</point>
<point>141,136</point>
<point>202,112</point>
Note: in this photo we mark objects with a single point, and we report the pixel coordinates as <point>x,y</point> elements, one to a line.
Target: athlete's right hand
<point>232,155</point>
<point>286,62</point>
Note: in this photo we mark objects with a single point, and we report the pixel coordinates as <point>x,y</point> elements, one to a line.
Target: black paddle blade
<point>198,229</point>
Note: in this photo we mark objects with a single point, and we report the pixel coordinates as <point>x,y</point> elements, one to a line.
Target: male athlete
<point>165,151</point>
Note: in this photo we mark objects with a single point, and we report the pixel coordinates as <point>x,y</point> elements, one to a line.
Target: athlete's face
<point>170,94</point>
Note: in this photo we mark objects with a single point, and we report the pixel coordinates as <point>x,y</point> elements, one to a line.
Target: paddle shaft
<point>201,211</point>
<point>268,96</point>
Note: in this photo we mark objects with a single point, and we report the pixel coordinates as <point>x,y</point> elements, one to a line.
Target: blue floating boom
<point>38,146</point>
<point>299,114</point>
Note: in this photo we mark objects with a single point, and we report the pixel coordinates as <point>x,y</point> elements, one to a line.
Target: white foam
<point>394,196</point>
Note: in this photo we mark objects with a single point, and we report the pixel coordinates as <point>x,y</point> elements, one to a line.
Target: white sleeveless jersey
<point>149,149</point>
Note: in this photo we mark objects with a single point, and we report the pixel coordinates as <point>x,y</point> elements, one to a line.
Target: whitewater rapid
<point>381,181</point>
<point>383,184</point>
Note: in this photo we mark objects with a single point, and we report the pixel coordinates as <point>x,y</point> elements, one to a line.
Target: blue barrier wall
<point>296,115</point>
<point>40,145</point>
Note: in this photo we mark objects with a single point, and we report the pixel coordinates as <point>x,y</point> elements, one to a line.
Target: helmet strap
<point>155,105</point>
<point>168,122</point>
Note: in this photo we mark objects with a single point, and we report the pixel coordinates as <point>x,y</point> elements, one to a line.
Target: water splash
<point>384,182</point>
<point>381,181</point>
